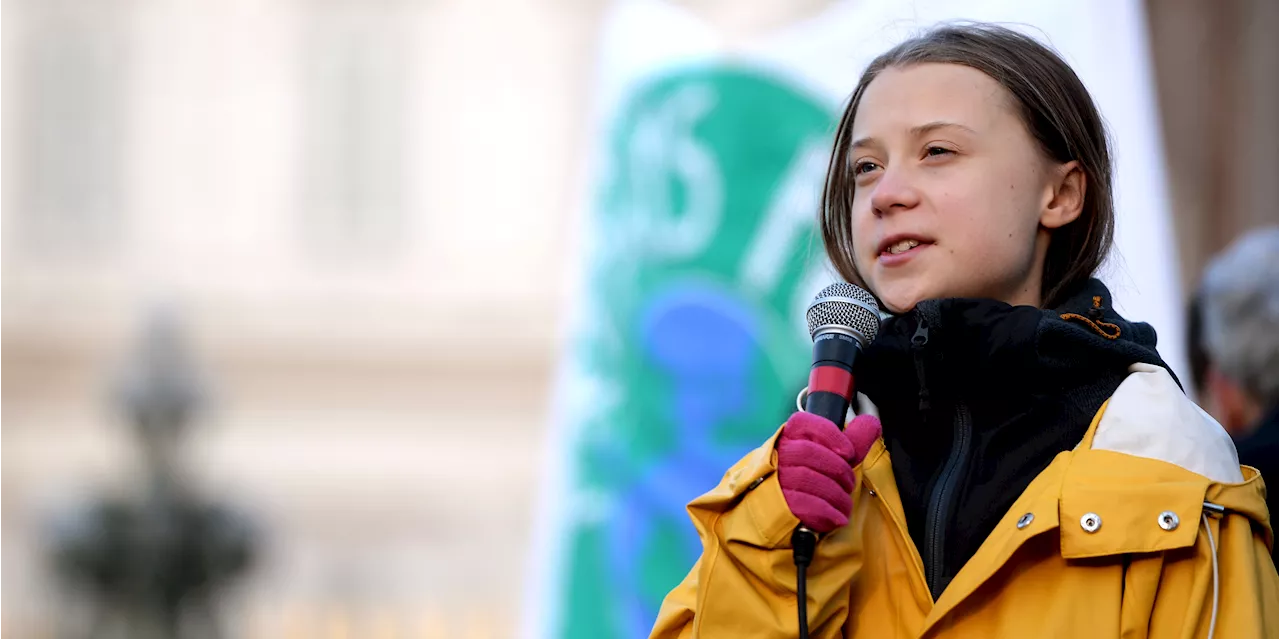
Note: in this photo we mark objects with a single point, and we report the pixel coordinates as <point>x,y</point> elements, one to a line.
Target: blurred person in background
<point>1232,335</point>
<point>1041,472</point>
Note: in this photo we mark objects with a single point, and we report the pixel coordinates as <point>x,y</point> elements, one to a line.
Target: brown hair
<point>1057,111</point>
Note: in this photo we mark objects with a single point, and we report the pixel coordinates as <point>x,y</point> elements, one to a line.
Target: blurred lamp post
<point>150,566</point>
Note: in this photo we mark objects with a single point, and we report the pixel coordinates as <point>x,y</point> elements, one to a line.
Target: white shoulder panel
<point>1149,416</point>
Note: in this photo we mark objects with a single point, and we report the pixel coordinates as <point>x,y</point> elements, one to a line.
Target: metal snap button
<point>872,493</point>
<point>1091,522</point>
<point>1025,520</point>
<point>1168,520</point>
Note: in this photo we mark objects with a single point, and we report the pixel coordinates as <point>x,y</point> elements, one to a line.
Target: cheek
<point>995,217</point>
<point>864,232</point>
<point>963,215</point>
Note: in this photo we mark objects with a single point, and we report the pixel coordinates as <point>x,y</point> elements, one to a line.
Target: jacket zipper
<point>940,506</point>
<point>918,342</point>
<point>940,502</point>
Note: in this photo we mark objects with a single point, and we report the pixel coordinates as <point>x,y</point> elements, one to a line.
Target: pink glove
<point>815,467</point>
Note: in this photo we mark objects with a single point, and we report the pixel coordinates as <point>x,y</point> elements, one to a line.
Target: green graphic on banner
<point>692,347</point>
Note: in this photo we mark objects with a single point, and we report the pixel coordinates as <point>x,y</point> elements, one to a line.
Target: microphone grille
<point>844,306</point>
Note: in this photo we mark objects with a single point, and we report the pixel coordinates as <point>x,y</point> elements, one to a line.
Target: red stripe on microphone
<point>831,379</point>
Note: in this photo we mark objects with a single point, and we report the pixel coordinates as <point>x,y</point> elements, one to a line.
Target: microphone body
<point>831,381</point>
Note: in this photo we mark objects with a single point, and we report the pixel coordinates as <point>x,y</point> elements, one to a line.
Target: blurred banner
<point>688,347</point>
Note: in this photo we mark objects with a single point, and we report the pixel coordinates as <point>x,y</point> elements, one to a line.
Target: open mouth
<point>895,247</point>
<point>902,247</point>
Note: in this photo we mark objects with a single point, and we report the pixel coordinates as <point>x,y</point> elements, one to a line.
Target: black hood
<point>986,350</point>
<point>976,397</point>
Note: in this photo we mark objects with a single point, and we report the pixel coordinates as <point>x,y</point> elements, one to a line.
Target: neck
<point>1028,295</point>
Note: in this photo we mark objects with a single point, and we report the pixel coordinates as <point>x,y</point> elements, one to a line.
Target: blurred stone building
<point>363,211</point>
<point>367,213</point>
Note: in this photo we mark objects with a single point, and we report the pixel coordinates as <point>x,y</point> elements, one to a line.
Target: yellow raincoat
<point>1148,528</point>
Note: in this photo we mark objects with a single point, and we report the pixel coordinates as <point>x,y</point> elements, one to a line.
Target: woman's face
<point>953,196</point>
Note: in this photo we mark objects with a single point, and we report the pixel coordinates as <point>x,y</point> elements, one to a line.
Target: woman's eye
<point>864,167</point>
<point>937,150</point>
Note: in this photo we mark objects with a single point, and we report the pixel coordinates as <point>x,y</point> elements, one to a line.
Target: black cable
<point>803,544</point>
<point>801,602</point>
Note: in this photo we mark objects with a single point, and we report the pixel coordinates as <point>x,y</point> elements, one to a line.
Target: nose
<point>893,192</point>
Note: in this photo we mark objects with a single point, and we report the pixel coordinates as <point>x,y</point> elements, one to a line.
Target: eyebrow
<point>916,131</point>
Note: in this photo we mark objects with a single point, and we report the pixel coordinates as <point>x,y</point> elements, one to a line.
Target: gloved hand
<point>815,467</point>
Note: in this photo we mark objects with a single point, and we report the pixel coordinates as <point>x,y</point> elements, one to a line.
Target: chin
<point>898,303</point>
<point>900,297</point>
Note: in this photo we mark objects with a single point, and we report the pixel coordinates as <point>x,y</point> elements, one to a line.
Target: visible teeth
<point>904,245</point>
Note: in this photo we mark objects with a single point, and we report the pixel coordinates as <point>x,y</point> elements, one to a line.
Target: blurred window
<point>356,65</point>
<point>71,76</point>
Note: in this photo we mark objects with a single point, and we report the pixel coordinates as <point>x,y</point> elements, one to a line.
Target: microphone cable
<point>803,544</point>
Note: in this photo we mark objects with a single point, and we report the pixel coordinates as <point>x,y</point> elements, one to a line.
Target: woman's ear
<point>1065,197</point>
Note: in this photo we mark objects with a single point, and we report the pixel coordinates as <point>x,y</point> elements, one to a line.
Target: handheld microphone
<point>842,320</point>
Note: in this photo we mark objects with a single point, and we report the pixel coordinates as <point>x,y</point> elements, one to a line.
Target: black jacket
<point>976,397</point>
